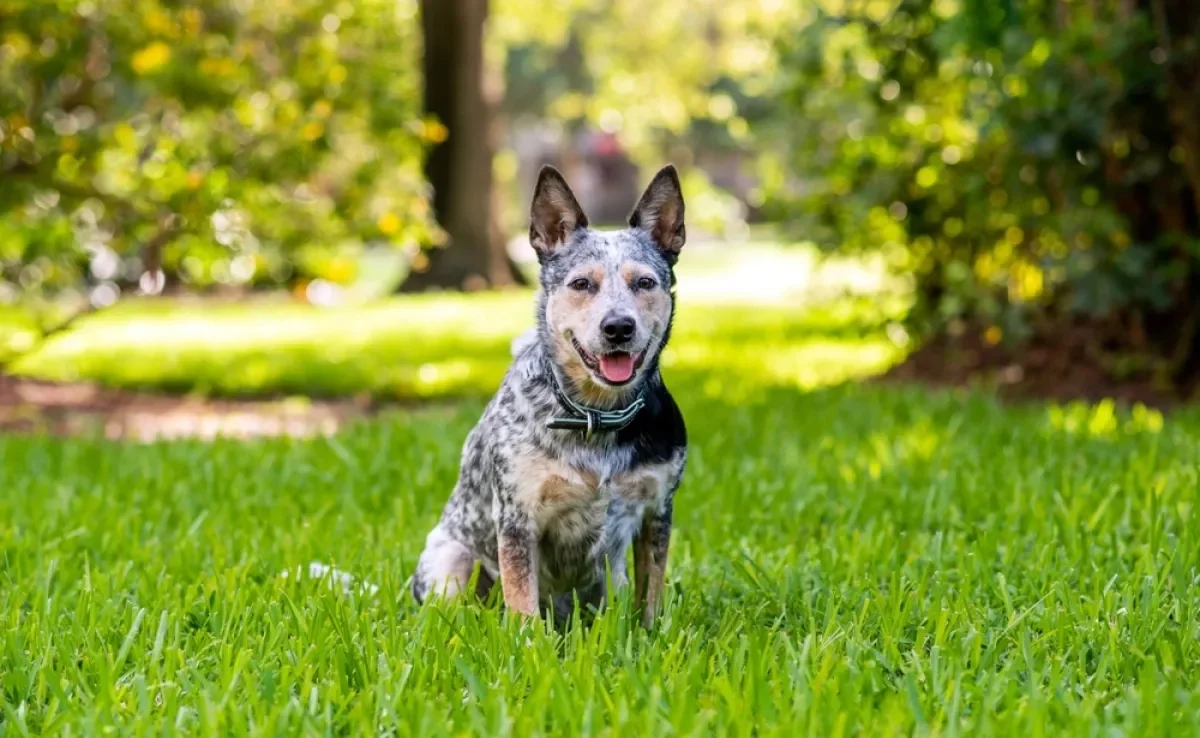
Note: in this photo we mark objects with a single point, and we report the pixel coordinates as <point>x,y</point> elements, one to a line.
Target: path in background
<point>87,409</point>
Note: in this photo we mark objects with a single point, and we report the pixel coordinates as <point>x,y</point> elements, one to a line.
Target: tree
<point>1033,165</point>
<point>459,168</point>
<point>671,79</point>
<point>221,141</point>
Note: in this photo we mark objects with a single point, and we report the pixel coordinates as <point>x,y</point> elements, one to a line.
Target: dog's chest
<point>571,499</point>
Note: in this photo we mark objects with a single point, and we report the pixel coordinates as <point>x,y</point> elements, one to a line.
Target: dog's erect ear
<point>660,213</point>
<point>555,213</point>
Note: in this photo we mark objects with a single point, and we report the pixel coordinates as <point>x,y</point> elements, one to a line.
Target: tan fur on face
<point>654,306</point>
<point>573,311</point>
<point>576,313</point>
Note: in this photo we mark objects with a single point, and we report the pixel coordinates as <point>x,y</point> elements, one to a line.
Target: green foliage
<point>245,141</point>
<point>854,560</point>
<point>1016,157</point>
<point>671,77</point>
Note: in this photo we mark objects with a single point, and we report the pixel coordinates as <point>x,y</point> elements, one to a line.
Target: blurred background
<point>222,197</point>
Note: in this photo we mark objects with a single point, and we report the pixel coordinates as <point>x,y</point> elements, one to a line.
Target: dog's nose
<point>618,329</point>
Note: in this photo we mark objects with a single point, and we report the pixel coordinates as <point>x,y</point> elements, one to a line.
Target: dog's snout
<point>619,328</point>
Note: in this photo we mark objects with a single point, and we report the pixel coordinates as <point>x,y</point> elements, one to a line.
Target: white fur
<point>337,577</point>
<point>449,563</point>
<point>524,341</point>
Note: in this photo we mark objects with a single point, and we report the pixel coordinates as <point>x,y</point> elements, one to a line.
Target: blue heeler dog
<point>581,450</point>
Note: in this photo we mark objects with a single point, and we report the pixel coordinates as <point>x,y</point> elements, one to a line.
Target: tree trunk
<point>460,169</point>
<point>504,270</point>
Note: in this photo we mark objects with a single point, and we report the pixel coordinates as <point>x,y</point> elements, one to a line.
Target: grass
<point>437,347</point>
<point>848,558</point>
<point>19,333</point>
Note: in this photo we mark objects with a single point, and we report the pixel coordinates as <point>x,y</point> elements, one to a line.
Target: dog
<point>579,454</point>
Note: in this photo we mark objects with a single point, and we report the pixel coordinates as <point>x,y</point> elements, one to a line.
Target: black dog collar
<point>590,420</point>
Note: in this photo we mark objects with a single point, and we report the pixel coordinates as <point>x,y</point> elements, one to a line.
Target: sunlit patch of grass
<point>1101,419</point>
<point>19,333</point>
<point>405,348</point>
<point>459,346</point>
<point>432,348</point>
<point>749,366</point>
<point>766,274</point>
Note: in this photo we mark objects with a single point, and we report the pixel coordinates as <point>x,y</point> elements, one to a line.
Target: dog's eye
<point>646,283</point>
<point>581,284</point>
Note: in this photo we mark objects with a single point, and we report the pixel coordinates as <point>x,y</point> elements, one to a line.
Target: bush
<point>1033,164</point>
<point>210,142</point>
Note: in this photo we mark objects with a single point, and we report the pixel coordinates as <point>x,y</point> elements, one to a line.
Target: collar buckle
<point>590,420</point>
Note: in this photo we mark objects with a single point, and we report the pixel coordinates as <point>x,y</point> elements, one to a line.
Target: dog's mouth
<point>615,367</point>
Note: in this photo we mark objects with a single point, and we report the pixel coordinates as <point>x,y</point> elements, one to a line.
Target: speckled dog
<point>581,450</point>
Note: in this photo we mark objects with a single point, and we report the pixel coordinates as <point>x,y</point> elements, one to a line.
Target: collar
<point>590,419</point>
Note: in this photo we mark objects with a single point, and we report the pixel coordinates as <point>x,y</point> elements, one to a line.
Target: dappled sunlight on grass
<point>18,333</point>
<point>739,369</point>
<point>766,274</point>
<point>404,348</point>
<point>425,317</point>
<point>1103,420</point>
<point>441,346</point>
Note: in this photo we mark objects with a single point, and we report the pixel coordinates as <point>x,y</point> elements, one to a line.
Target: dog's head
<point>606,300</point>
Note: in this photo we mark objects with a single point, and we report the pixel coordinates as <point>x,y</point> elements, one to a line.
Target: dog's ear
<point>555,213</point>
<point>660,213</point>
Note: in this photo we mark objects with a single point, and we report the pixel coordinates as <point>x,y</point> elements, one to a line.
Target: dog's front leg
<point>518,554</point>
<point>650,561</point>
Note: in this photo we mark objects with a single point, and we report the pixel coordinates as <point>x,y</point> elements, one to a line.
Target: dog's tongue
<point>616,367</point>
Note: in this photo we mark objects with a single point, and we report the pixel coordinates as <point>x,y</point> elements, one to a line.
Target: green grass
<point>848,559</point>
<point>751,309</point>
<point>19,333</point>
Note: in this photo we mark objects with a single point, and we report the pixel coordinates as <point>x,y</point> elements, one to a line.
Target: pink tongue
<point>616,367</point>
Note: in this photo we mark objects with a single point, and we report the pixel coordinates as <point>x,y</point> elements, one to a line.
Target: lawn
<point>756,311</point>
<point>18,333</point>
<point>849,558</point>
